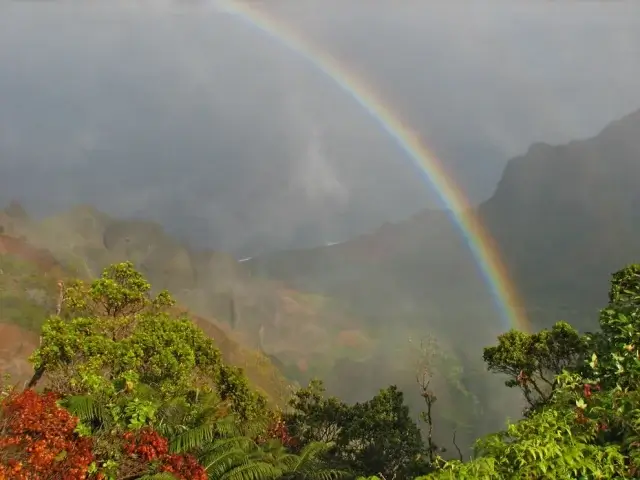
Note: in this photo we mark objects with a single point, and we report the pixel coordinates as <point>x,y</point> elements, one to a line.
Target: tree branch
<point>457,447</point>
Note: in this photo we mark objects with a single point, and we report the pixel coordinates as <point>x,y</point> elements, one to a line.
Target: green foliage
<point>124,337</point>
<point>315,418</point>
<point>373,437</point>
<point>531,361</point>
<point>120,292</point>
<point>123,363</point>
<point>588,425</point>
<point>544,446</point>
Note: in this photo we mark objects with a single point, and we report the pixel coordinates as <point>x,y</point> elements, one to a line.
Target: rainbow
<point>479,240</point>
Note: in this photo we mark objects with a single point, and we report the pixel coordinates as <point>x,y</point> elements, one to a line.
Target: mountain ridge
<point>563,217</point>
<point>259,314</point>
<point>324,311</point>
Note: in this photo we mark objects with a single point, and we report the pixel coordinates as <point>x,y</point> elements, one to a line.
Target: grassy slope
<point>28,294</point>
<point>245,314</point>
<point>305,334</point>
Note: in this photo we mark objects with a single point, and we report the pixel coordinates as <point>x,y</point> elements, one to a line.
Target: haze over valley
<point>291,225</point>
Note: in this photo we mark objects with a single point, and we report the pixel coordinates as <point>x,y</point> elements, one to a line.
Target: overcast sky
<point>180,112</point>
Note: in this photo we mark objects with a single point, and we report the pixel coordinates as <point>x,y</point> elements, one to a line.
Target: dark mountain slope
<point>567,216</point>
<point>564,217</point>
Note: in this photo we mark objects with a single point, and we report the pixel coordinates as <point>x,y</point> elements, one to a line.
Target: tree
<point>314,418</point>
<point>151,395</point>
<point>369,438</point>
<point>532,361</point>
<point>381,437</point>
<point>588,426</point>
<point>114,335</point>
<point>425,369</point>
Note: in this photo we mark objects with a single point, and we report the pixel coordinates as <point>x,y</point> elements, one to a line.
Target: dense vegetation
<point>125,388</point>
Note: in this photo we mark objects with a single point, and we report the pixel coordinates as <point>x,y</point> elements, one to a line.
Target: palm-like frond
<point>255,427</point>
<point>203,435</point>
<point>88,409</point>
<point>324,474</point>
<point>252,471</point>
<point>309,455</point>
<point>228,427</point>
<point>286,462</point>
<point>245,444</point>
<point>194,438</point>
<point>308,464</point>
<point>209,406</point>
<point>198,411</point>
<point>172,411</point>
<point>236,447</point>
<point>218,463</point>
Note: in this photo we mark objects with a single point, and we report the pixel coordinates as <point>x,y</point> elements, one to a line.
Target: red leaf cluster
<point>150,446</point>
<point>146,444</point>
<point>184,467</point>
<point>37,440</point>
<point>278,430</point>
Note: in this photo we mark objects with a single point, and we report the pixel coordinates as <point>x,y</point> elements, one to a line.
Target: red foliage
<point>184,467</point>
<point>580,417</point>
<point>149,446</point>
<point>38,440</point>
<point>278,431</point>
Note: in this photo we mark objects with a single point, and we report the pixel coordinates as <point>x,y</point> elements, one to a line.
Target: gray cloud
<point>175,111</point>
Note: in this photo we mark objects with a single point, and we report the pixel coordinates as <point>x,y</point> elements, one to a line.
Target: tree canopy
<point>126,388</point>
<point>586,425</point>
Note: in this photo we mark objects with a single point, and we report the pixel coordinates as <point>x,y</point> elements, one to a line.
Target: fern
<point>88,410</point>
<point>193,439</point>
<point>309,464</point>
<point>310,454</point>
<point>218,463</point>
<point>253,471</point>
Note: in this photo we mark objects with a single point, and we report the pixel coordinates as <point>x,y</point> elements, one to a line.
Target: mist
<point>180,113</point>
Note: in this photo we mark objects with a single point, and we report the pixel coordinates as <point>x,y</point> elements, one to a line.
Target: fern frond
<point>227,427</point>
<point>308,465</point>
<point>325,474</point>
<point>194,438</point>
<point>253,471</point>
<point>172,412</point>
<point>218,463</point>
<point>256,427</point>
<point>310,453</point>
<point>87,409</point>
